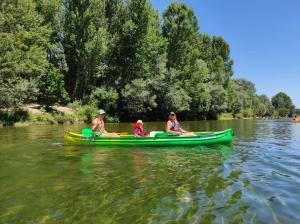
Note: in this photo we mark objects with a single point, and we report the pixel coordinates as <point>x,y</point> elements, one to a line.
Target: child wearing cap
<point>138,130</point>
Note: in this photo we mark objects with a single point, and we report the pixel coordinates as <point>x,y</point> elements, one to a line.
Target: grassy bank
<point>74,114</point>
<point>225,117</point>
<point>39,115</point>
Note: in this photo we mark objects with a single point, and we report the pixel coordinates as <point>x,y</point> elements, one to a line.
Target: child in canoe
<point>139,130</point>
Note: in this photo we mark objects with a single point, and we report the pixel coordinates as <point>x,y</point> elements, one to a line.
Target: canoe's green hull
<point>201,139</point>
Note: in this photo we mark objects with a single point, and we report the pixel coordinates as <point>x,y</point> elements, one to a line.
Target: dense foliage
<point>283,104</point>
<point>120,56</point>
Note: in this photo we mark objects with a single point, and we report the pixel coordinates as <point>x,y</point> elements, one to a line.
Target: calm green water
<point>256,180</point>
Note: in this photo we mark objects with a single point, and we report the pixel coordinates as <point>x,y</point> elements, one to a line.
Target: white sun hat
<point>101,112</point>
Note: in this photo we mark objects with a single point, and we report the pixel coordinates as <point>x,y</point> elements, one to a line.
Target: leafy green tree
<point>175,97</point>
<point>16,91</point>
<point>241,98</point>
<point>180,27</point>
<point>221,49</point>
<point>187,72</point>
<point>137,55</point>
<point>118,55</point>
<point>103,97</point>
<point>197,89</point>
<point>262,106</point>
<point>247,92</point>
<point>216,53</point>
<point>283,104</point>
<point>281,100</point>
<point>85,43</point>
<point>235,97</point>
<point>138,97</point>
<point>52,88</point>
<point>246,86</point>
<point>23,53</point>
<point>51,84</point>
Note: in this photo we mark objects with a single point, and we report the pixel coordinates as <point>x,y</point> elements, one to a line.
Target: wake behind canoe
<point>220,137</point>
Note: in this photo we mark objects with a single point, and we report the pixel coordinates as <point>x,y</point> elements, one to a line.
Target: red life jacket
<point>138,131</point>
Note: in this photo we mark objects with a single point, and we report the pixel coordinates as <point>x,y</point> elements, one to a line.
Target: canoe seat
<point>154,133</point>
<point>87,132</point>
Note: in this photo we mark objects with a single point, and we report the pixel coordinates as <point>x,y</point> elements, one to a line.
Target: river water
<point>254,180</point>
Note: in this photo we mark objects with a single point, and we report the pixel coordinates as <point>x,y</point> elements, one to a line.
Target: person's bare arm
<point>168,128</point>
<point>102,129</point>
<point>94,125</point>
<point>183,131</point>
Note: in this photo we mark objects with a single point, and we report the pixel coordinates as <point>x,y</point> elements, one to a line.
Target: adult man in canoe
<point>99,126</point>
<point>173,126</point>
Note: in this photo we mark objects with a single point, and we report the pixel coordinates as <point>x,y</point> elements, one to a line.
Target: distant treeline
<point>121,56</point>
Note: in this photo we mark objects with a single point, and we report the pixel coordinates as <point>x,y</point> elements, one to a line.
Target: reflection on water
<point>255,180</point>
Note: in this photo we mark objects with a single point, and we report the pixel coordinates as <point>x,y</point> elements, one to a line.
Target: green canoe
<point>159,140</point>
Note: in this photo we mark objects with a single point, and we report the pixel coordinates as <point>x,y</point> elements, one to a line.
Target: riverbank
<point>35,114</point>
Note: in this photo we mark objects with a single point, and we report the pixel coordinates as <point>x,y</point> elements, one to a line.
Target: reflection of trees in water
<point>282,131</point>
<point>132,186</point>
<point>137,185</point>
<point>198,191</point>
<point>119,185</point>
<point>141,186</point>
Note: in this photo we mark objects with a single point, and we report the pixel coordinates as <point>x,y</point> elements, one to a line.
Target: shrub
<point>75,105</point>
<point>110,119</point>
<point>283,112</point>
<point>275,114</point>
<point>248,112</point>
<point>11,116</point>
<point>239,116</point>
<point>225,116</point>
<point>104,97</point>
<point>86,113</point>
<point>42,118</point>
<point>63,118</point>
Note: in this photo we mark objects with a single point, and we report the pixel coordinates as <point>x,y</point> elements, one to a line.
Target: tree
<point>85,43</point>
<point>180,27</point>
<point>283,104</point>
<point>118,55</point>
<point>51,84</point>
<point>235,97</point>
<point>23,54</point>
<point>103,97</point>
<point>137,55</point>
<point>262,106</point>
<point>216,53</point>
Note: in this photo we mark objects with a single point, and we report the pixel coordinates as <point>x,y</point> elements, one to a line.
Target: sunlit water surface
<point>254,180</point>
